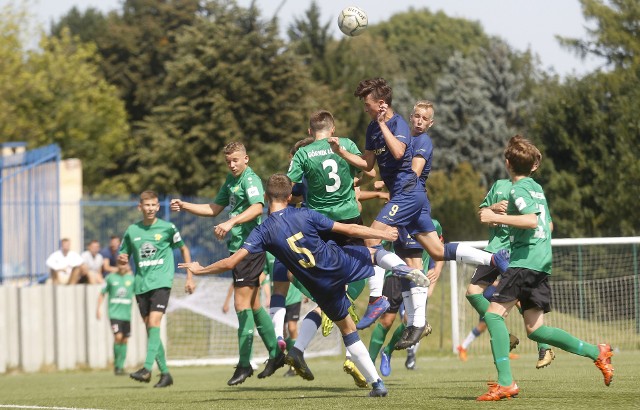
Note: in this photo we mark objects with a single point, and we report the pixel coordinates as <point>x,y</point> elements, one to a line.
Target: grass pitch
<point>571,382</point>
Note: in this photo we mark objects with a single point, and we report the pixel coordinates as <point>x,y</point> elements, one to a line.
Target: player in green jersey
<point>151,242</point>
<point>119,288</point>
<point>243,192</point>
<point>527,278</point>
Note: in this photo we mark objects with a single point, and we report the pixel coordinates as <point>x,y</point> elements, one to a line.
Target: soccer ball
<point>352,21</point>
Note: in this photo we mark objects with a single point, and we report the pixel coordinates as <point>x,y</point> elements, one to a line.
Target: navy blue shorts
<point>408,209</point>
<point>279,273</point>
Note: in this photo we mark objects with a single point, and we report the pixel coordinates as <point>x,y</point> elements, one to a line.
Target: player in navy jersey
<point>388,144</point>
<point>292,235</point>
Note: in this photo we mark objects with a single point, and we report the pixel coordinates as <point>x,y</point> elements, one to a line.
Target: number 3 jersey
<point>328,178</point>
<point>530,248</point>
<point>292,236</point>
<point>151,247</point>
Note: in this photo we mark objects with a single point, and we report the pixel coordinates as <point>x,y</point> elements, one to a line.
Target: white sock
<point>388,260</point>
<point>419,299</point>
<point>471,255</point>
<point>347,355</point>
<point>468,340</point>
<point>360,357</point>
<point>307,332</point>
<point>408,306</point>
<point>376,282</point>
<point>277,318</point>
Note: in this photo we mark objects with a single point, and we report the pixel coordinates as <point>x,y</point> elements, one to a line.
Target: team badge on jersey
<point>158,237</point>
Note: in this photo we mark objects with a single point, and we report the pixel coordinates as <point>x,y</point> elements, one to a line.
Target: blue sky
<point>522,23</point>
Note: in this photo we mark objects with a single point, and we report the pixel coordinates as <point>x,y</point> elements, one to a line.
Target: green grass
<point>571,382</point>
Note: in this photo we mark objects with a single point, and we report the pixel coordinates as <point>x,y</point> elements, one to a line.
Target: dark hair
<point>278,187</point>
<point>522,155</point>
<point>302,143</point>
<point>377,87</point>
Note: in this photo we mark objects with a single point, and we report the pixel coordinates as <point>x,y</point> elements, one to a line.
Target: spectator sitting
<point>92,263</point>
<point>65,265</point>
<point>110,256</point>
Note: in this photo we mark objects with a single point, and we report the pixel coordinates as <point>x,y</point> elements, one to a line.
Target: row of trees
<point>148,94</point>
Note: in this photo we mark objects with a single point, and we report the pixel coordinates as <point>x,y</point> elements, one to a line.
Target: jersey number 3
<point>303,251</point>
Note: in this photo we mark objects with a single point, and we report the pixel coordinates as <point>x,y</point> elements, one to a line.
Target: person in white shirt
<point>65,265</point>
<point>92,263</point>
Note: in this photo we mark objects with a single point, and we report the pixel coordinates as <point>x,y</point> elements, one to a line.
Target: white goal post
<point>595,286</point>
<point>200,333</point>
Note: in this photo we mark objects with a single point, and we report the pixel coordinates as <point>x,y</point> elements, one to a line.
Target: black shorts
<point>155,300</point>
<point>293,312</point>
<point>407,252</point>
<point>484,275</point>
<point>528,286</point>
<point>247,272</point>
<point>121,326</point>
<point>392,289</point>
<point>343,240</point>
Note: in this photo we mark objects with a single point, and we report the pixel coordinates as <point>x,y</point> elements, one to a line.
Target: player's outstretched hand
<point>392,231</point>
<point>175,205</point>
<point>487,216</point>
<point>123,258</point>
<point>192,266</point>
<point>432,275</point>
<point>221,230</point>
<point>190,286</point>
<point>500,207</point>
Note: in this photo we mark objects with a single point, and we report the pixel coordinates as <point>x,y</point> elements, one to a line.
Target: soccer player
<point>527,278</point>
<point>119,288</point>
<point>243,191</point>
<point>388,144</point>
<point>292,235</point>
<point>151,242</point>
<point>481,286</point>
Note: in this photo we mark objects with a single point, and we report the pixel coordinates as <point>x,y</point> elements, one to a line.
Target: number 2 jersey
<point>328,177</point>
<point>292,236</point>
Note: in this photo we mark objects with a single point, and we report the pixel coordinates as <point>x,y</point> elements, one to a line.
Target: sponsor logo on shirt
<point>536,195</point>
<point>253,191</point>
<point>380,150</point>
<point>156,262</point>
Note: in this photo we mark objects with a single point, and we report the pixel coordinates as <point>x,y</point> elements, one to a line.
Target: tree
<point>230,79</point>
<point>616,35</point>
<point>56,94</point>
<point>479,105</point>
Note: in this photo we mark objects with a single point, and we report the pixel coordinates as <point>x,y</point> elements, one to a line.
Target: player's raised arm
<point>364,162</point>
<point>220,266</point>
<point>396,147</point>
<point>178,205</point>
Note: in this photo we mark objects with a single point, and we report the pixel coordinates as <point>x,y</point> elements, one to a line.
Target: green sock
<point>266,331</point>
<point>377,340</point>
<point>290,342</point>
<point>397,334</point>
<point>500,347</point>
<point>245,336</point>
<point>543,346</point>
<point>153,342</point>
<point>161,359</point>
<point>479,303</point>
<point>559,338</point>
<point>119,354</point>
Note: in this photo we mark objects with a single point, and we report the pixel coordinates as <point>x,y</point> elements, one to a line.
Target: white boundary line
<point>20,406</point>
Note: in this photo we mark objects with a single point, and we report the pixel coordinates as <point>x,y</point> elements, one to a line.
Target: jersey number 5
<point>304,251</point>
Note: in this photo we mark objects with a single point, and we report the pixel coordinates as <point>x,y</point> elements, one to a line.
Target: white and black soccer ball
<point>352,21</point>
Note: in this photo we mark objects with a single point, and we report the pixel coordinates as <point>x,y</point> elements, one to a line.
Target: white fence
<point>55,327</point>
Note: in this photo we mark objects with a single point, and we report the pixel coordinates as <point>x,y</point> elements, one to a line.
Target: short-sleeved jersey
<point>119,289</point>
<point>328,178</point>
<point>151,247</point>
<point>292,236</point>
<point>423,146</point>
<point>498,235</point>
<point>530,248</point>
<point>240,193</point>
<point>396,174</point>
